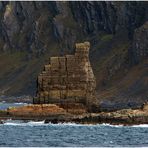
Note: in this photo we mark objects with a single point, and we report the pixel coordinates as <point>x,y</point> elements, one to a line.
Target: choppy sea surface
<point>19,134</point>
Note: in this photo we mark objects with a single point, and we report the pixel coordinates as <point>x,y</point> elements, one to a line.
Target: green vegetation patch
<point>106,37</point>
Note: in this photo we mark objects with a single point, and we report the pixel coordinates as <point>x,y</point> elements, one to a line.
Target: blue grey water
<point>17,134</point>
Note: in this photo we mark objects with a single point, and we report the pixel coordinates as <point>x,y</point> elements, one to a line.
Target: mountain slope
<point>31,32</point>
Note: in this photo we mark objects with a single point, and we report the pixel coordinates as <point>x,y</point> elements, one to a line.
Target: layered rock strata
<point>68,79</point>
<point>54,114</point>
<point>36,110</point>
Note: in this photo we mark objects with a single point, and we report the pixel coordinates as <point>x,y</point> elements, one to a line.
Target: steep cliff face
<point>140,44</point>
<point>30,32</point>
<point>32,26</point>
<point>109,16</point>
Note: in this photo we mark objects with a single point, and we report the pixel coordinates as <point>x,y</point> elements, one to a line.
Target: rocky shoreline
<point>54,114</point>
<point>66,92</point>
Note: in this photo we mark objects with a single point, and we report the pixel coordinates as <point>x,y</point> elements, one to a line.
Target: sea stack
<point>68,80</point>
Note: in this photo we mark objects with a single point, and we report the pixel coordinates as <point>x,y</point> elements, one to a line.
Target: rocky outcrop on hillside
<point>68,79</point>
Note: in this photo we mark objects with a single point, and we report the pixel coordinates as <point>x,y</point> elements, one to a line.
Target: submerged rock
<point>1,122</point>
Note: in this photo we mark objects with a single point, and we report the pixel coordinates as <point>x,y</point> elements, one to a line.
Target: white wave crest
<point>141,125</point>
<point>69,124</point>
<point>21,103</point>
<point>14,124</point>
<point>111,125</point>
<point>36,122</point>
<point>18,123</point>
<point>42,123</point>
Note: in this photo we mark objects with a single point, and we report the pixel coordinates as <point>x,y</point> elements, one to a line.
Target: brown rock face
<point>36,110</point>
<point>68,79</point>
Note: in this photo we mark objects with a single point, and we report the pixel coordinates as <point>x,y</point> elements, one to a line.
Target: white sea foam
<point>141,125</point>
<point>36,122</point>
<point>21,103</point>
<point>69,124</point>
<point>21,123</point>
<point>42,123</point>
<point>111,125</point>
<point>14,124</point>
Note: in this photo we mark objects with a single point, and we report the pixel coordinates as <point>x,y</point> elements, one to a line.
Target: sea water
<point>20,134</point>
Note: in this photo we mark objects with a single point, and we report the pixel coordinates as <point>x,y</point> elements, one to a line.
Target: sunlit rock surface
<point>68,79</point>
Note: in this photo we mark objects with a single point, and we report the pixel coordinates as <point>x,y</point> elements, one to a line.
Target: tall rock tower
<point>68,79</point>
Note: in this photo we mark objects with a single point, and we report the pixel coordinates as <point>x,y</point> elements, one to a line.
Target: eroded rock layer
<point>68,79</point>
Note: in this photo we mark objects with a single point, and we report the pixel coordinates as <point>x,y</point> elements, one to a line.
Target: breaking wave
<point>21,103</point>
<point>42,123</point>
<point>39,123</point>
<point>110,125</point>
<point>20,123</point>
<point>141,125</point>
